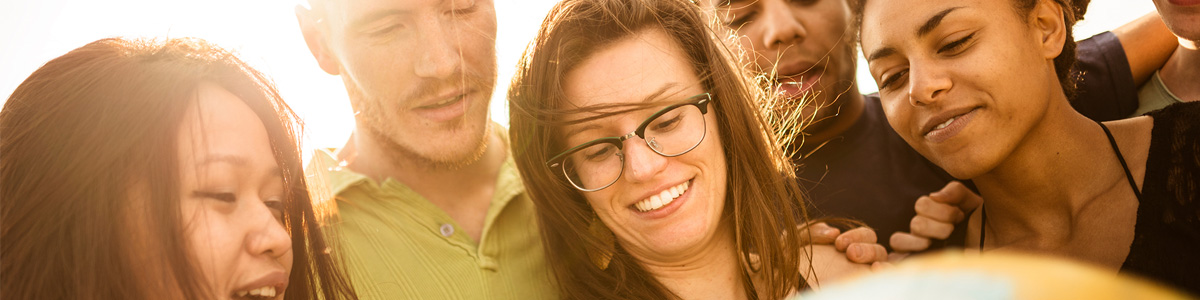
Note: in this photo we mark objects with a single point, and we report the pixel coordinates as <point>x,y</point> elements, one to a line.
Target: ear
<point>1047,23</point>
<point>314,36</point>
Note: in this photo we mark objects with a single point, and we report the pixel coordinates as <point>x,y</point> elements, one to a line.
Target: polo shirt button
<point>447,230</point>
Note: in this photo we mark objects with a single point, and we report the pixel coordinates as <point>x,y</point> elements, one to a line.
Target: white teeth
<point>447,101</point>
<point>662,198</point>
<point>266,291</point>
<point>947,123</point>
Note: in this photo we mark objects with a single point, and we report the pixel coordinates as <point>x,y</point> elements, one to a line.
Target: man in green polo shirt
<point>429,203</point>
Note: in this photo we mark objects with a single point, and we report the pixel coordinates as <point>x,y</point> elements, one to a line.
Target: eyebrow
<point>238,161</point>
<point>922,31</point>
<point>934,21</point>
<point>221,158</point>
<point>649,98</point>
<point>881,53</point>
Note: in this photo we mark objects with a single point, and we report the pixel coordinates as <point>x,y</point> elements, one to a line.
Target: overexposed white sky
<point>264,33</point>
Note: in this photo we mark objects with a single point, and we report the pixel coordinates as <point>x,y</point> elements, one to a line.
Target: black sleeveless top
<point>1166,239</point>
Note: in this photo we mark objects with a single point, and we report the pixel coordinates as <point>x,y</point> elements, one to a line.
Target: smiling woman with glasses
<point>653,171</point>
<point>670,132</point>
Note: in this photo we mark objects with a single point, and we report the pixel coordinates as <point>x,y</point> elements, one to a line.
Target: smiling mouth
<point>445,103</point>
<point>943,125</point>
<point>266,292</point>
<point>662,199</point>
<point>949,128</point>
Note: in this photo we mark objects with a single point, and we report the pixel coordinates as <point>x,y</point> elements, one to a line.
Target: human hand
<point>859,245</point>
<point>822,264</point>
<point>937,213</point>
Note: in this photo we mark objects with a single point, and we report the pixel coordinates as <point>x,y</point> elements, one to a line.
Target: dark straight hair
<point>89,177</point>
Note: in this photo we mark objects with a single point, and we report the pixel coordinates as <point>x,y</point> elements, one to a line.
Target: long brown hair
<point>90,129</point>
<point>763,203</point>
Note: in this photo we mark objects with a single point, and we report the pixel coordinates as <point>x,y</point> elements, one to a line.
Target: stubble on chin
<point>379,125</point>
<point>404,154</point>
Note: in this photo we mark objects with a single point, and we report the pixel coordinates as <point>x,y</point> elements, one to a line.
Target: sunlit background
<point>264,32</point>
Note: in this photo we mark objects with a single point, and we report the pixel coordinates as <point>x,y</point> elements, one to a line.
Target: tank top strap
<point>1128,175</point>
<point>1121,158</point>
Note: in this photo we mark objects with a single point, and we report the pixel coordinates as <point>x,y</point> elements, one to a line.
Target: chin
<point>465,153</point>
<point>964,166</point>
<point>679,243</point>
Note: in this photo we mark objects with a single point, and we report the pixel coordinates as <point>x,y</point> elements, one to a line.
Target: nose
<point>927,84</point>
<point>438,54</point>
<point>641,162</point>
<point>268,237</point>
<point>781,26</point>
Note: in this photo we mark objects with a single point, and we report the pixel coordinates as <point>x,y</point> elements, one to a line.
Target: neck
<point>1181,70</point>
<point>463,192</point>
<point>840,117</point>
<point>1040,189</point>
<point>710,272</point>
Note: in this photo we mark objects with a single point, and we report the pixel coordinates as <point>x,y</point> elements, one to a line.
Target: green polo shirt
<point>397,245</point>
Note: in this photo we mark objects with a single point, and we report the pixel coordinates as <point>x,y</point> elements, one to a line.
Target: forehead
<point>221,124</point>
<point>346,11</point>
<point>645,65</point>
<point>903,20</point>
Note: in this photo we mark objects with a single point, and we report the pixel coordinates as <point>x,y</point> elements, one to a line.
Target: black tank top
<point>1166,243</point>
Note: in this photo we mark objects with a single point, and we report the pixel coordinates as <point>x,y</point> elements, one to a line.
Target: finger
<point>939,211</point>
<point>865,253</point>
<point>857,235</point>
<point>906,242</point>
<point>930,228</point>
<point>819,233</point>
<point>957,194</point>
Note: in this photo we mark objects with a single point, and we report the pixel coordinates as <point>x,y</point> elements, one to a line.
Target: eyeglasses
<point>670,132</point>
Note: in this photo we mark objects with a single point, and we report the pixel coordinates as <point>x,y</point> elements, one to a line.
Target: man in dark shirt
<point>850,160</point>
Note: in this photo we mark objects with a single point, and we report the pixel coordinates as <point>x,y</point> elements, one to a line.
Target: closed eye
<point>276,206</point>
<point>462,11</point>
<point>738,21</point>
<point>955,45</point>
<point>667,125</point>
<point>891,80</point>
<point>598,154</point>
<point>219,196</point>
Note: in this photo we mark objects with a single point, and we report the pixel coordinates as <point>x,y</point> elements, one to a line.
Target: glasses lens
<point>593,167</point>
<point>676,131</point>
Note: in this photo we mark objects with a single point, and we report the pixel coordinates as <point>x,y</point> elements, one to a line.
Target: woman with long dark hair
<point>654,171</point>
<point>141,169</point>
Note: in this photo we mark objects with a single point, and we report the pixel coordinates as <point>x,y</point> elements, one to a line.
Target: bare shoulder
<point>1134,130</point>
<point>1133,139</point>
